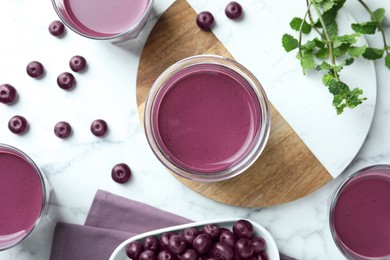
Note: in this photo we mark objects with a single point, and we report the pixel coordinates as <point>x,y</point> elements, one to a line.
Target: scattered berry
<point>66,80</point>
<point>205,20</point>
<point>77,63</point>
<point>99,127</point>
<point>56,28</point>
<point>62,129</point>
<point>35,69</point>
<point>17,124</point>
<point>233,10</point>
<point>7,93</point>
<point>121,173</point>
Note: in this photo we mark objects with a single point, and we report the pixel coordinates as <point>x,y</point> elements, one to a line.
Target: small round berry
<point>205,20</point>
<point>35,69</point>
<point>77,63</point>
<point>233,10</point>
<point>99,127</point>
<point>121,173</point>
<point>62,129</point>
<point>56,28</point>
<point>17,124</point>
<point>134,249</point>
<point>7,93</point>
<point>66,80</point>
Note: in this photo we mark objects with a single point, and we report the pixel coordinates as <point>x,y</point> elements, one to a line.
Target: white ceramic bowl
<point>272,250</point>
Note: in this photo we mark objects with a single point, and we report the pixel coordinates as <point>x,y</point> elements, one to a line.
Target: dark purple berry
<point>223,251</point>
<point>244,247</point>
<point>177,244</point>
<point>202,243</point>
<point>166,255</point>
<point>205,20</point>
<point>7,93</point>
<point>164,239</point>
<point>17,124</point>
<point>56,28</point>
<point>228,238</point>
<point>77,63</point>
<point>189,254</point>
<point>259,244</point>
<point>263,256</point>
<point>121,173</point>
<point>99,127</point>
<point>134,249</point>
<point>243,228</point>
<point>190,234</point>
<point>147,255</point>
<point>35,69</point>
<point>212,230</point>
<point>62,129</point>
<point>233,10</point>
<point>66,80</point>
<point>151,243</point>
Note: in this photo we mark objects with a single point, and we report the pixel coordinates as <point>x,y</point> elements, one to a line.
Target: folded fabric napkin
<point>111,220</point>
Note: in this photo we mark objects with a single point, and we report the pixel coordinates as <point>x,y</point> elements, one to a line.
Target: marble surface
<point>80,165</point>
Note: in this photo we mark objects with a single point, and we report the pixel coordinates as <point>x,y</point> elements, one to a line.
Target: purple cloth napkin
<point>111,220</point>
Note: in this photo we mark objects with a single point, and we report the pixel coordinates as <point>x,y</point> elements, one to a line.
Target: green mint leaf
<point>327,5</point>
<point>326,79</point>
<point>373,53</point>
<point>365,28</point>
<point>307,61</point>
<point>337,87</point>
<point>324,66</point>
<point>319,43</point>
<point>289,42</point>
<point>349,61</point>
<point>379,15</point>
<point>329,16</point>
<point>387,61</point>
<point>356,51</point>
<point>348,38</point>
<point>309,45</point>
<point>341,50</point>
<point>332,29</point>
<point>343,97</point>
<point>322,53</point>
<point>296,24</point>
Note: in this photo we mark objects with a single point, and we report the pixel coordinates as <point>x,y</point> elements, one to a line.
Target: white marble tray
<point>302,100</point>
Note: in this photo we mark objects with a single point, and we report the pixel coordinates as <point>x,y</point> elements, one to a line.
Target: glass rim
<point>263,131</point>
<point>135,28</point>
<point>44,187</point>
<point>340,244</point>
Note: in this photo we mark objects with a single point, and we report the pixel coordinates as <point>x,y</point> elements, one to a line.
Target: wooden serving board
<point>286,170</point>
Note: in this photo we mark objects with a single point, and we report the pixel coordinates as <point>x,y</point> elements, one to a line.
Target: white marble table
<point>80,165</point>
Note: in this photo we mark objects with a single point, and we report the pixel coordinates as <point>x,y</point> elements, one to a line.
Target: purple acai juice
<point>102,18</point>
<point>206,118</point>
<point>361,215</point>
<point>21,196</point>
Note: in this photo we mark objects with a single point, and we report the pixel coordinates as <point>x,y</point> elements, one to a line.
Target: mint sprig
<point>330,52</point>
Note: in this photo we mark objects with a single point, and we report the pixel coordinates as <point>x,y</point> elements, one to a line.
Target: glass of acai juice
<point>360,214</point>
<point>24,196</point>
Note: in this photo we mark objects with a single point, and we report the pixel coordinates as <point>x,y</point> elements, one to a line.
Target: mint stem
<point>312,23</point>
<point>328,39</point>
<point>380,26</point>
<point>301,28</point>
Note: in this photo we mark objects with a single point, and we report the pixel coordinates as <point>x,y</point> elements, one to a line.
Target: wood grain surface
<point>287,170</point>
